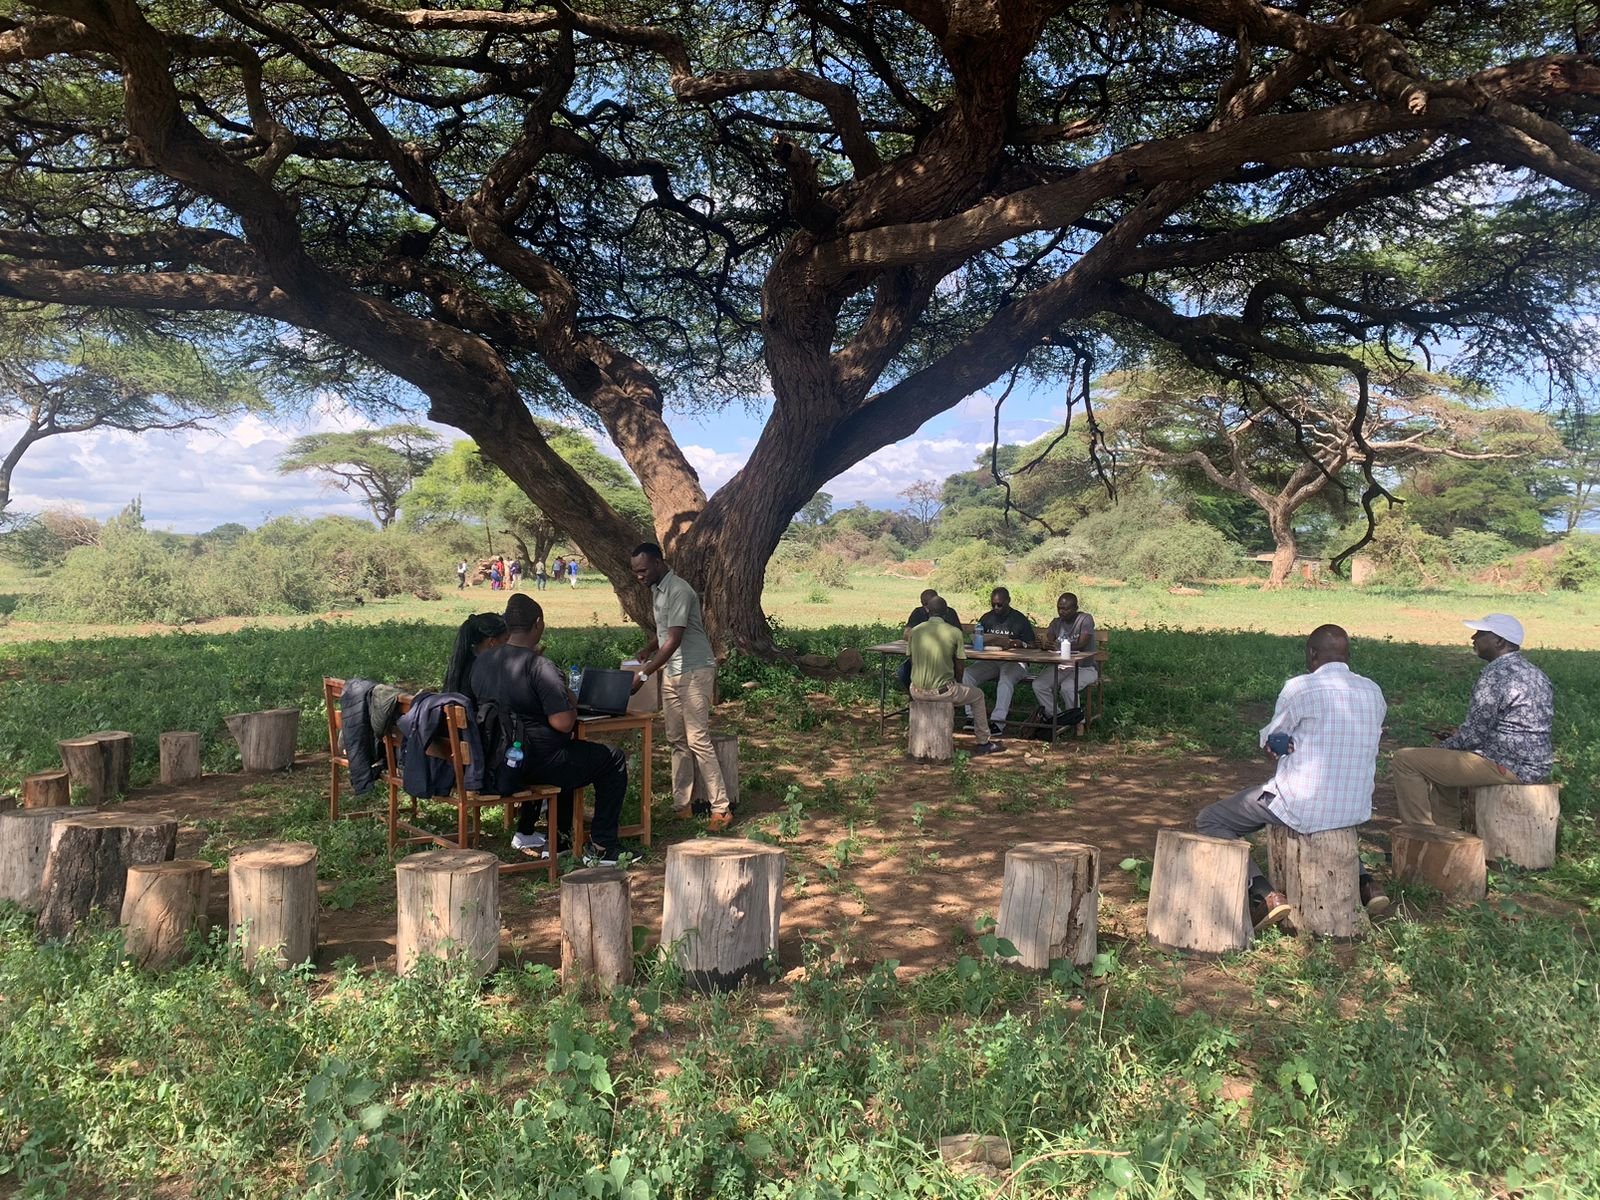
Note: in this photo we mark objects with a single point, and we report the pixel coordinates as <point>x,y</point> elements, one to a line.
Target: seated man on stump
<point>1505,737</point>
<point>1076,628</point>
<point>1003,628</point>
<point>937,649</point>
<point>917,617</point>
<point>528,717</point>
<point>1324,738</point>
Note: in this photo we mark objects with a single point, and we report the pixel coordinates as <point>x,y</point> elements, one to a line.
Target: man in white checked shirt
<point>1324,737</point>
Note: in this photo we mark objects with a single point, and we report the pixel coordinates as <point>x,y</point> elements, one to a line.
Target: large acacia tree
<point>874,208</point>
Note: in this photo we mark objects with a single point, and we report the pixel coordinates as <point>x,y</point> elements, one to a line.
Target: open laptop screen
<point>604,691</point>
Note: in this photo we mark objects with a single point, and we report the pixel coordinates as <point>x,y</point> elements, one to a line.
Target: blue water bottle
<point>977,637</point>
<point>574,678</point>
<point>514,756</point>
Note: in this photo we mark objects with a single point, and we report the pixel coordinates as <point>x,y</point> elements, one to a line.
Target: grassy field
<point>1452,1054</point>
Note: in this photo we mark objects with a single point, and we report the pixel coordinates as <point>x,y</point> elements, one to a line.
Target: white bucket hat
<point>1500,625</point>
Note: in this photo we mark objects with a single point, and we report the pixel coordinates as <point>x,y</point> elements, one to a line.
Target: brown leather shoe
<point>719,821</point>
<point>1271,911</point>
<point>682,814</point>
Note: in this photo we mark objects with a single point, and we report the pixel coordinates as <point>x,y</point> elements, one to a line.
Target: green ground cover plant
<point>1451,1055</point>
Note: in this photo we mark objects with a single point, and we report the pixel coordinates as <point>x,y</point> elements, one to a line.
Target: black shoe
<point>997,727</point>
<point>596,855</point>
<point>988,747</point>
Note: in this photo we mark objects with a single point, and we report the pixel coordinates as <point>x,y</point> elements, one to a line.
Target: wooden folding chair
<point>1096,706</point>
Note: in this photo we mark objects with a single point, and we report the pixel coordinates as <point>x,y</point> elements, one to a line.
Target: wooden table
<point>589,729</point>
<point>1029,655</point>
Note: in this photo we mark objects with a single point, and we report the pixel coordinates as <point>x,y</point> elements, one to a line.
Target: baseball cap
<point>1501,625</point>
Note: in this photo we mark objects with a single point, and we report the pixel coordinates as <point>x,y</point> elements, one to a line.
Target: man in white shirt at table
<point>1324,738</point>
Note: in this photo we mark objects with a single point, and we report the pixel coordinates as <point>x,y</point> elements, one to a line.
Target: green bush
<point>131,576</point>
<point>1402,551</point>
<point>1577,565</point>
<point>1182,551</point>
<point>970,569</point>
<point>829,570</point>
<point>1052,559</point>
<point>1471,549</point>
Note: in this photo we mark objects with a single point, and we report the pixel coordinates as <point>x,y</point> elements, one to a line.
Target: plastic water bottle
<point>514,756</point>
<point>1066,647</point>
<point>977,637</point>
<point>575,679</point>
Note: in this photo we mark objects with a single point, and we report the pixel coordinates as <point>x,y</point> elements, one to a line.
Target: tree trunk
<point>180,756</point>
<point>272,903</point>
<point>596,928</point>
<point>1284,549</point>
<point>448,907</point>
<point>162,904</point>
<point>1319,873</point>
<point>24,849</point>
<point>89,860</point>
<point>1050,903</point>
<point>1197,893</point>
<point>266,739</point>
<point>721,904</point>
<point>98,763</point>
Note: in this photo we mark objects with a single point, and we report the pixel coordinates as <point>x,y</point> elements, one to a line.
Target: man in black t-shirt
<point>1003,628</point>
<point>918,615</point>
<point>524,696</point>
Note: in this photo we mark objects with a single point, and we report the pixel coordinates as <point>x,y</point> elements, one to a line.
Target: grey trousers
<point>1240,815</point>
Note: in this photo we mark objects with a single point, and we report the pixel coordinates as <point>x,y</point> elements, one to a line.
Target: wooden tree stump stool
<point>90,854</point>
<point>272,902</point>
<point>46,789</point>
<point>1320,874</point>
<point>24,850</point>
<point>1050,903</point>
<point>163,903</point>
<point>1445,859</point>
<point>98,763</point>
<point>1517,822</point>
<point>727,748</point>
<point>720,911</point>
<point>596,928</point>
<point>1198,899</point>
<point>180,757</point>
<point>449,908</point>
<point>930,727</point>
<point>266,739</point>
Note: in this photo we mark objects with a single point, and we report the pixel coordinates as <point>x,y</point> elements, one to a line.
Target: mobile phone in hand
<point>1280,743</point>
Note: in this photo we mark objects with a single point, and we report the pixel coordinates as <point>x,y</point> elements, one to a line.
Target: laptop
<point>604,693</point>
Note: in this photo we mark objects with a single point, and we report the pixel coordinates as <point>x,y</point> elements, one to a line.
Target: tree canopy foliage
<point>379,465</point>
<point>878,208</point>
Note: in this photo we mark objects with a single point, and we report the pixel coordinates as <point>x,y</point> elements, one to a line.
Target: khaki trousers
<point>1427,780</point>
<point>686,708</point>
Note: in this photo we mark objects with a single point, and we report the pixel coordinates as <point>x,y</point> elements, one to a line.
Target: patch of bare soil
<point>888,860</point>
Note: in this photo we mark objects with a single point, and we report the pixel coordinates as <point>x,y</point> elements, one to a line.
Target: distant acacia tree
<point>1283,448</point>
<point>379,465</point>
<point>1577,466</point>
<point>922,501</point>
<point>875,210</point>
<point>64,372</point>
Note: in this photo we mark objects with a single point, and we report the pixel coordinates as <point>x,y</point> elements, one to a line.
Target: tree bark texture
<point>1518,822</point>
<point>180,756</point>
<point>46,789</point>
<point>88,864</point>
<point>1319,873</point>
<point>448,908</point>
<point>1198,898</point>
<point>266,739</point>
<point>272,903</point>
<point>1447,860</point>
<point>98,763</point>
<point>24,850</point>
<point>596,928</point>
<point>721,905</point>
<point>1050,903</point>
<point>930,728</point>
<point>163,904</point>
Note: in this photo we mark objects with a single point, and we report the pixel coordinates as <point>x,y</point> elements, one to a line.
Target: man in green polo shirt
<point>937,649</point>
<point>681,652</point>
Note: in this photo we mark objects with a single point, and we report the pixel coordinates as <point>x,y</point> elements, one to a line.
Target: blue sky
<point>192,480</point>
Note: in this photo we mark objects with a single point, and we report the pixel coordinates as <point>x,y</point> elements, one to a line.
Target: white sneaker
<point>528,842</point>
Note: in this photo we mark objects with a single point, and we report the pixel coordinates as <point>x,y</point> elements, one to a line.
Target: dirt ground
<point>923,860</point>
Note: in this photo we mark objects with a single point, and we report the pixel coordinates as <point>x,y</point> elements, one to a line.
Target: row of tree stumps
<point>1198,883</point>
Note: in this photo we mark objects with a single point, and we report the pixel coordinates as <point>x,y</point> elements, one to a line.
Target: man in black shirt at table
<point>522,697</point>
<point>1003,628</point>
<point>918,615</point>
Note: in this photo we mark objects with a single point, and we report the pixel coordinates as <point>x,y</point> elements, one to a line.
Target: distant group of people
<point>936,657</point>
<point>526,713</point>
<point>503,575</point>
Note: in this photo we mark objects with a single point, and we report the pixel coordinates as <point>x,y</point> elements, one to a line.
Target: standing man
<point>1324,737</point>
<point>572,570</point>
<point>1505,737</point>
<point>918,616</point>
<point>540,578</point>
<point>681,652</point>
<point>1003,628</point>
<point>461,574</point>
<point>937,650</point>
<point>1075,627</point>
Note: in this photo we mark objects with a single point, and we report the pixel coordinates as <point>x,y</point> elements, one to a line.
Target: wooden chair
<point>1095,701</point>
<point>454,747</point>
<point>332,692</point>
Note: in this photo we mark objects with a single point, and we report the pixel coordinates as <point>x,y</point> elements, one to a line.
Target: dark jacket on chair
<point>424,776</point>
